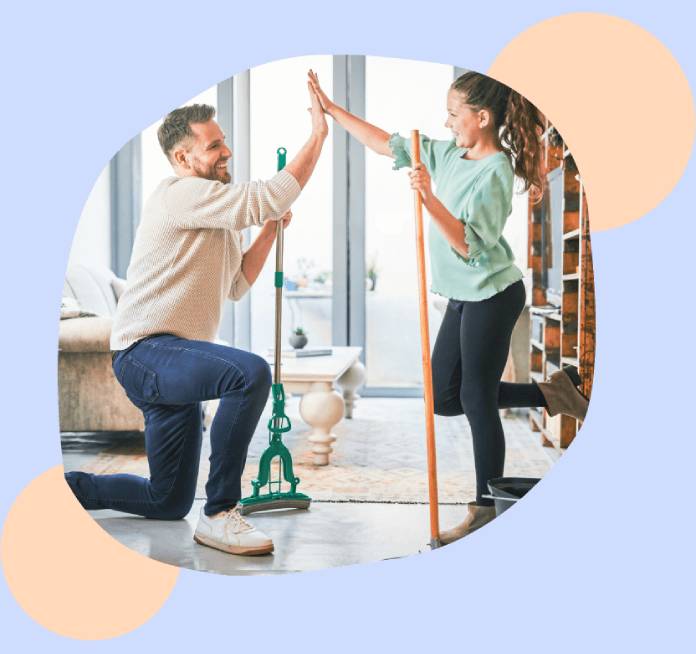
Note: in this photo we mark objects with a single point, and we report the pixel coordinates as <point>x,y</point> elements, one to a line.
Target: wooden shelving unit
<point>562,329</point>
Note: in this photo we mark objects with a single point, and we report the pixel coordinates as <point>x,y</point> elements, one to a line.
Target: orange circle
<point>618,98</point>
<point>68,574</point>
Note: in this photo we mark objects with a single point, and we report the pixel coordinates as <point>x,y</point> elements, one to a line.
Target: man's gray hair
<point>177,125</point>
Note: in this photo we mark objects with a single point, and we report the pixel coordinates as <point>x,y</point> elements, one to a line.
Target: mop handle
<point>281,152</point>
<point>425,352</point>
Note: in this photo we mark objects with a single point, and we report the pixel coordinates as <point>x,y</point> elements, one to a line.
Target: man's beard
<point>213,173</point>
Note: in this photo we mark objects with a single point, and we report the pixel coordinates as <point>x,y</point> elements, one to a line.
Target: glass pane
<point>279,117</point>
<point>155,166</point>
<point>400,96</point>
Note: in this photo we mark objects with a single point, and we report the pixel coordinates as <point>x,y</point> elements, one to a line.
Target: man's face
<point>207,155</point>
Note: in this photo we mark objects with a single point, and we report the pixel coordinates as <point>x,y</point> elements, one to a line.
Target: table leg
<point>322,409</point>
<point>348,382</point>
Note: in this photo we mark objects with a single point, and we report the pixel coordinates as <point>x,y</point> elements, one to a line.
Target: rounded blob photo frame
<point>93,579</point>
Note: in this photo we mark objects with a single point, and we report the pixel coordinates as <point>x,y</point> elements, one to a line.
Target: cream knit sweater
<point>187,255</point>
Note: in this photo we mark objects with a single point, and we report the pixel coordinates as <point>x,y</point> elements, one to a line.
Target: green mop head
<point>275,498</point>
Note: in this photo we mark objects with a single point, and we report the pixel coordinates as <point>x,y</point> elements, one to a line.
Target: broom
<point>425,352</point>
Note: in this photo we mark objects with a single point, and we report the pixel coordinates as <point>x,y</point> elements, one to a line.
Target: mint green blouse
<point>479,193</point>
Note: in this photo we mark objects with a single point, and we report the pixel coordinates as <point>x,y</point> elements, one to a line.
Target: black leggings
<point>468,360</point>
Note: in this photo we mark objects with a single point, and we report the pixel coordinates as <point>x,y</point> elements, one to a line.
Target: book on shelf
<point>303,353</point>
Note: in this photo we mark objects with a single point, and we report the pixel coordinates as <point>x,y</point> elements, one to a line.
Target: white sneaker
<point>230,532</point>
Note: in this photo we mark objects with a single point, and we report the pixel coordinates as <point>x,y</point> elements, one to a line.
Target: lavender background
<point>601,556</point>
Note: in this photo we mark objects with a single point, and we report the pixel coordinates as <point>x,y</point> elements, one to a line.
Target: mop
<point>425,352</point>
<point>274,497</point>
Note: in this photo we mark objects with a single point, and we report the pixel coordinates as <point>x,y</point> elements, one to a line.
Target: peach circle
<point>618,98</point>
<point>68,574</point>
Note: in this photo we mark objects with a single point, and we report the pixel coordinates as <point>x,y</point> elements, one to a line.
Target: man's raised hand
<point>319,126</point>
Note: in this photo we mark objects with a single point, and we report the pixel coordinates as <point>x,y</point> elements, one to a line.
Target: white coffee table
<point>322,407</point>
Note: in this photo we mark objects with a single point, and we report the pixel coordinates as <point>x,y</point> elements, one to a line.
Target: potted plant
<point>371,273</point>
<point>298,338</point>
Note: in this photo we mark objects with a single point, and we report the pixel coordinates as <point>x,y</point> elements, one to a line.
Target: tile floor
<point>330,533</point>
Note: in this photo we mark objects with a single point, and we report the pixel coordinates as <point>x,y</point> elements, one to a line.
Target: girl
<point>495,138</point>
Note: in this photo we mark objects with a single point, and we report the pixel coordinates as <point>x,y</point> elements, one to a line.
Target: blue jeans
<point>167,378</point>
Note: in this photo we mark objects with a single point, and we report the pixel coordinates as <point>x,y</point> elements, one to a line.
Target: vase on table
<point>298,339</point>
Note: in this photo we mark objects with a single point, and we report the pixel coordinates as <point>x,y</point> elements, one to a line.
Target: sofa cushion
<point>91,287</point>
<point>119,286</point>
<point>85,335</point>
<point>70,308</point>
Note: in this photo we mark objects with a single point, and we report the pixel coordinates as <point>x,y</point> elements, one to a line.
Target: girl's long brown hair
<point>519,123</point>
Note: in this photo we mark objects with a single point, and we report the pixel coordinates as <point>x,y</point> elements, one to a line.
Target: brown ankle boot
<point>478,516</point>
<point>561,394</point>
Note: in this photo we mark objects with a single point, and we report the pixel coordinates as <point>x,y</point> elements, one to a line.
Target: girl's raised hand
<point>324,100</point>
<point>420,181</point>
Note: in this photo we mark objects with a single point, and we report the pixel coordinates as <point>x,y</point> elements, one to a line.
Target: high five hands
<point>324,101</point>
<point>419,177</point>
<point>319,126</point>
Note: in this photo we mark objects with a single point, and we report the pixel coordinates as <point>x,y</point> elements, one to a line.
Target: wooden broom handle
<point>425,352</point>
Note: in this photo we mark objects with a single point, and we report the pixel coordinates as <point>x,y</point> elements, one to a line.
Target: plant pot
<point>298,341</point>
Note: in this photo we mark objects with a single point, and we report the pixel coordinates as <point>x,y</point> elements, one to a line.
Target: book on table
<point>303,353</point>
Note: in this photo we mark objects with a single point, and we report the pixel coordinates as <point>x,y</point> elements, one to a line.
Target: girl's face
<point>465,123</point>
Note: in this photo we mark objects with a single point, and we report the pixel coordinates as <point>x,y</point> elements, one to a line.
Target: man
<point>187,259</point>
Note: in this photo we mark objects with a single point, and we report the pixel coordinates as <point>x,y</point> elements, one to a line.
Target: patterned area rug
<point>379,455</point>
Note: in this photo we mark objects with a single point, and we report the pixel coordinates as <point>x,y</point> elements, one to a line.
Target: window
<point>278,104</point>
<point>400,96</point>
